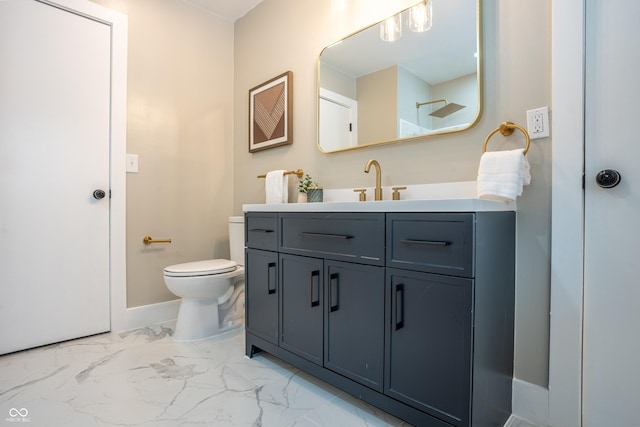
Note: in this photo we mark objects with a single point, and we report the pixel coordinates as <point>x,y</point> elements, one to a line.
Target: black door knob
<point>608,178</point>
<point>99,194</point>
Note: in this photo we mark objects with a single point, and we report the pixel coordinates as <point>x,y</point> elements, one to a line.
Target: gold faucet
<point>378,192</point>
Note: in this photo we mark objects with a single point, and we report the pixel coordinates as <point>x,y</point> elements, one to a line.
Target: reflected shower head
<point>449,108</point>
<point>446,110</point>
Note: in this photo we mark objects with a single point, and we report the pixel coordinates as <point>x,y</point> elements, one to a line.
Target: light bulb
<point>391,29</point>
<point>420,17</point>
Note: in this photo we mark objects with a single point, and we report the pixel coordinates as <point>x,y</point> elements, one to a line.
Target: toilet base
<point>199,319</point>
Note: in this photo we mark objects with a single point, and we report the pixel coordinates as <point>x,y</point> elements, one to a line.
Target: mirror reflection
<point>414,74</point>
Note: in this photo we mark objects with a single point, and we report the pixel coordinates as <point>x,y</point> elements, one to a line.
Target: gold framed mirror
<point>428,82</point>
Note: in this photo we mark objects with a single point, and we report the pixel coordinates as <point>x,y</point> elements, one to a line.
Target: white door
<point>54,152</point>
<point>611,351</point>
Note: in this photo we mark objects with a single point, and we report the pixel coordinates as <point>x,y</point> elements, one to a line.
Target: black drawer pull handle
<point>315,288</point>
<point>261,230</point>
<point>328,236</point>
<point>271,278</point>
<point>398,306</point>
<point>334,289</point>
<point>425,242</point>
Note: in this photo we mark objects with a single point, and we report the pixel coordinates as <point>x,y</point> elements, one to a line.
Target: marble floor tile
<point>144,378</point>
<point>514,421</point>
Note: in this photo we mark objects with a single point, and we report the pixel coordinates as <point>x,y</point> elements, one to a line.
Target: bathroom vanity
<point>406,305</point>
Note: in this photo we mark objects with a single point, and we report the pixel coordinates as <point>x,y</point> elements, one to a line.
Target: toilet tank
<point>236,239</point>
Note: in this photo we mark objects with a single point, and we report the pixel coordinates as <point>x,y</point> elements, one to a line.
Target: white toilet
<point>212,291</point>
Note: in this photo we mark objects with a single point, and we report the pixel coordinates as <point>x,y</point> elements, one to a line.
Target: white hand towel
<point>502,174</point>
<point>277,187</point>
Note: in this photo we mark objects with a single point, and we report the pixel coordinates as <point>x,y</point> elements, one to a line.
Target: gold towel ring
<point>506,129</point>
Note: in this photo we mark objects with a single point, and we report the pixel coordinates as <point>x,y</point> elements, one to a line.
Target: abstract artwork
<point>270,106</point>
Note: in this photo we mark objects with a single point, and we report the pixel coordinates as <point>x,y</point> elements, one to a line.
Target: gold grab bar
<point>506,129</point>
<point>299,173</point>
<point>147,240</point>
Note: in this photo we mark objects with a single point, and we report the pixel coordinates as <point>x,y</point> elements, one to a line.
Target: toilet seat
<point>207,267</point>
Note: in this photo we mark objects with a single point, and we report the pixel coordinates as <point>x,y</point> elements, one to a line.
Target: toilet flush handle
<point>147,240</point>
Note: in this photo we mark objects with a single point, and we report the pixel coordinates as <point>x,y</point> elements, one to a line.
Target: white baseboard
<point>151,314</point>
<point>530,402</point>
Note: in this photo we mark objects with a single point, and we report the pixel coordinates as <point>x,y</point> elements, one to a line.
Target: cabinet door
<point>261,288</point>
<point>301,302</point>
<point>354,321</point>
<point>429,343</point>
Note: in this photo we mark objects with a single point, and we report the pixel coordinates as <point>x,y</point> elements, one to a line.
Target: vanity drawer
<point>261,230</point>
<point>431,242</point>
<point>340,236</point>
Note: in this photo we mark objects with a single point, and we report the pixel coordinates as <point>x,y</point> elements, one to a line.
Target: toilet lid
<point>201,268</point>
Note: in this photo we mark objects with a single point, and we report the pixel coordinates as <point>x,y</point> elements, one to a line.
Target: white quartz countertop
<point>438,205</point>
<point>445,197</point>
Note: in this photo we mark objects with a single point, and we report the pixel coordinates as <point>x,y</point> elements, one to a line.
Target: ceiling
<point>228,9</point>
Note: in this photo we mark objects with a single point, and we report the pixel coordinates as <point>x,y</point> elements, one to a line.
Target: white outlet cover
<point>534,133</point>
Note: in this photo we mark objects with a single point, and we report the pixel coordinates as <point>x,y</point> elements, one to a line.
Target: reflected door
<point>340,130</point>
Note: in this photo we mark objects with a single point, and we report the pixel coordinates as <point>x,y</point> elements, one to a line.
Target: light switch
<point>132,163</point>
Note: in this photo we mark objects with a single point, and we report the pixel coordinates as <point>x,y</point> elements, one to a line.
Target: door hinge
<point>583,180</point>
<point>350,127</point>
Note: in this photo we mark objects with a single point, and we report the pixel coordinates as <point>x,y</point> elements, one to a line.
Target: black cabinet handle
<point>261,230</point>
<point>398,306</point>
<point>271,281</point>
<point>327,236</point>
<point>334,288</point>
<point>425,242</point>
<point>315,288</point>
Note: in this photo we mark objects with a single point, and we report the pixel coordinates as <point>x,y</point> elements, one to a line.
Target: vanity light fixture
<point>419,20</point>
<point>420,17</point>
<point>391,28</point>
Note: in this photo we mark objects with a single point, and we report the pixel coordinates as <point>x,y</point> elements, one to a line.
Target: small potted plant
<point>309,191</point>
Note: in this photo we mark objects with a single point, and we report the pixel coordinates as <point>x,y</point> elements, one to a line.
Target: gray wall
<point>281,35</point>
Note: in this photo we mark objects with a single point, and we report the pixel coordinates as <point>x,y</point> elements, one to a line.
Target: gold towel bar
<point>506,129</point>
<point>147,240</point>
<point>299,173</point>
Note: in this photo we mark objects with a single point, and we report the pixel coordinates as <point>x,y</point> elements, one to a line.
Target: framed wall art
<point>270,113</point>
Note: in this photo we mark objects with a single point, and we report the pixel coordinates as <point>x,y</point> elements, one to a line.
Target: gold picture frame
<point>270,113</point>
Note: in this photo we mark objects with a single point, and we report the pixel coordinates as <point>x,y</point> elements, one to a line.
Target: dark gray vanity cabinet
<point>429,333</point>
<point>302,305</point>
<point>261,276</point>
<point>354,322</point>
<point>332,314</point>
<point>332,303</point>
<point>429,338</point>
<point>411,312</point>
<point>450,284</point>
<point>261,290</point>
